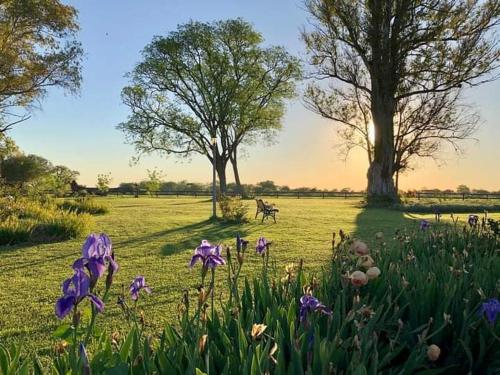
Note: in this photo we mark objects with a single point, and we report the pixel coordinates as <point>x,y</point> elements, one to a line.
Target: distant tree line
<point>264,187</point>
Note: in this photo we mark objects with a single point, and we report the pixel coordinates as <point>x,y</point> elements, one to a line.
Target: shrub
<point>447,208</point>
<point>103,181</point>
<point>233,209</point>
<point>60,226</point>
<point>25,220</point>
<point>84,205</point>
<point>14,231</point>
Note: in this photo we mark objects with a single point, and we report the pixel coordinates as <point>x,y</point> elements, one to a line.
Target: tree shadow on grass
<point>205,230</point>
<point>15,264</point>
<point>188,236</point>
<point>373,220</point>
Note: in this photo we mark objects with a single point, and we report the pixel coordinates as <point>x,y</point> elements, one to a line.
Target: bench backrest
<point>260,204</point>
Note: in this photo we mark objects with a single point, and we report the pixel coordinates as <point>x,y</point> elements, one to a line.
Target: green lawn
<point>155,237</point>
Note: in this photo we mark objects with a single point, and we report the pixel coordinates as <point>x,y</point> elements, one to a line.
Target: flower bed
<point>428,302</point>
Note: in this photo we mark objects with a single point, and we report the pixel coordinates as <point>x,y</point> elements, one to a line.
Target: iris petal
<point>98,303</point>
<point>64,306</point>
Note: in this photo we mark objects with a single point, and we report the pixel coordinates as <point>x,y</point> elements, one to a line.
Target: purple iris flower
<point>473,220</point>
<point>96,252</point>
<point>309,304</point>
<point>241,244</point>
<point>424,224</point>
<point>208,255</point>
<point>490,308</point>
<point>137,285</point>
<point>261,245</point>
<point>75,290</point>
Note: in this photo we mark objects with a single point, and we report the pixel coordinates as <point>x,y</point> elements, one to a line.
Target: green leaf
<point>63,331</point>
<point>127,344</point>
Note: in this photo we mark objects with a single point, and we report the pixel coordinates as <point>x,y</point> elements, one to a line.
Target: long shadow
<point>190,203</point>
<point>372,220</point>
<point>205,230</point>
<point>191,235</point>
<point>17,265</point>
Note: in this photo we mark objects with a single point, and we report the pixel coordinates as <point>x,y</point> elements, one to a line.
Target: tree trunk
<point>221,173</point>
<point>381,187</point>
<point>234,162</point>
<point>397,181</point>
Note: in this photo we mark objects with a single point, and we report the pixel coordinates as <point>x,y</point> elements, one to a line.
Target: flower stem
<point>212,287</point>
<point>93,319</point>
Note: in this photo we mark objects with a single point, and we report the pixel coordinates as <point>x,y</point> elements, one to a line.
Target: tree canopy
<point>37,51</point>
<point>206,81</point>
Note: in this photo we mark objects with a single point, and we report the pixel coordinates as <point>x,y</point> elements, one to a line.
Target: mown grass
<point>155,237</point>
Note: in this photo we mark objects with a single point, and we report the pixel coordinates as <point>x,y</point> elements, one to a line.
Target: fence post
<point>463,196</point>
<point>298,195</point>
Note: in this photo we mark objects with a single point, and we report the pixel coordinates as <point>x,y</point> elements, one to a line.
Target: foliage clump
<point>29,220</point>
<point>233,209</point>
<point>84,205</point>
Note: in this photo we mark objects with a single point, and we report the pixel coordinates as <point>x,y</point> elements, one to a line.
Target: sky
<point>80,131</point>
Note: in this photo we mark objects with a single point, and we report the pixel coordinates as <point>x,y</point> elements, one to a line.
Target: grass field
<point>155,237</point>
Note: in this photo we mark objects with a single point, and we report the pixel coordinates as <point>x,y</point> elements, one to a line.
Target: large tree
<point>20,169</point>
<point>208,81</point>
<point>395,50</point>
<point>37,51</point>
<point>423,124</point>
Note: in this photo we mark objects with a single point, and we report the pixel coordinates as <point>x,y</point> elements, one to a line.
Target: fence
<point>302,194</point>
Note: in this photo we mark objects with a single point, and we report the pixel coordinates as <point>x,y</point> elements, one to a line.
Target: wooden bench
<point>267,210</point>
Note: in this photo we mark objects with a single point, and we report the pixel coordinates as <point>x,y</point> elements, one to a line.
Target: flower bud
<point>433,353</point>
<point>202,343</point>
<point>241,258</point>
<point>367,261</point>
<point>359,248</point>
<point>115,338</point>
<point>60,347</point>
<point>257,330</point>
<point>359,278</point>
<point>84,359</point>
<point>373,273</point>
<point>202,296</point>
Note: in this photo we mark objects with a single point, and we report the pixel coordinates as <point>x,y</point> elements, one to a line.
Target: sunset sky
<point>80,131</point>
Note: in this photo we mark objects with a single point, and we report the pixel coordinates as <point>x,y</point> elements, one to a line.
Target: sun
<point>371,132</point>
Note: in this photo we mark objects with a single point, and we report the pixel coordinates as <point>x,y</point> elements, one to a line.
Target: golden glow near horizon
<point>371,132</point>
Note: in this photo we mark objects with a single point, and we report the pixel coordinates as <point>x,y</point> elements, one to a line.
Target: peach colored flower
<point>433,352</point>
<point>373,273</point>
<point>359,248</point>
<point>359,278</point>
